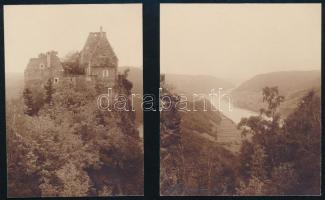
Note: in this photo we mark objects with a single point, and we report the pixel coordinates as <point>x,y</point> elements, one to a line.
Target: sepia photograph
<point>71,128</point>
<point>240,107</point>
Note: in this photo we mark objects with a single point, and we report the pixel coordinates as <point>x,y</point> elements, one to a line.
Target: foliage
<point>71,64</point>
<point>281,156</point>
<point>171,159</point>
<point>28,100</point>
<point>33,101</point>
<point>189,163</point>
<point>49,91</point>
<point>70,148</point>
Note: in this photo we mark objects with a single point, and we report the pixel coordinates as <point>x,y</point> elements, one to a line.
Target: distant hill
<point>15,81</point>
<point>287,81</point>
<point>294,98</point>
<point>14,84</point>
<point>135,75</point>
<point>291,84</point>
<point>189,84</point>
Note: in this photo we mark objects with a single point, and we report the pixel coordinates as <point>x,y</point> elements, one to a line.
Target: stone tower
<point>98,58</point>
<point>39,70</point>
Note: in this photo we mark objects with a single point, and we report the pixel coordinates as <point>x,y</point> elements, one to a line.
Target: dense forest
<point>60,144</point>
<point>189,163</point>
<point>278,156</point>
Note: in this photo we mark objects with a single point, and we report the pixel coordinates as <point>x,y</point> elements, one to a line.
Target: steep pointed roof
<point>98,51</point>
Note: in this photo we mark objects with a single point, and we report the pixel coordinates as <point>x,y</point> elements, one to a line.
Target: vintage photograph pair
<point>239,100</point>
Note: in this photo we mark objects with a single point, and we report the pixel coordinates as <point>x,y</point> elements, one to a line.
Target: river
<point>232,112</point>
<point>229,110</point>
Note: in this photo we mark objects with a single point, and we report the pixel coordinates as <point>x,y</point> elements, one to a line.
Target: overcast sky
<point>237,41</point>
<point>32,29</point>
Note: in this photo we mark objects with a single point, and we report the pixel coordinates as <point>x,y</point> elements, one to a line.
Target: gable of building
<point>98,52</point>
<point>43,67</point>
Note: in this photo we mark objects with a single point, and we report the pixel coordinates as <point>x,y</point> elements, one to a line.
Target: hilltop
<point>291,84</point>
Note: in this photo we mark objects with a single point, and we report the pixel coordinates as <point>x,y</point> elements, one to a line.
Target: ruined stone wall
<point>106,74</point>
<point>40,69</point>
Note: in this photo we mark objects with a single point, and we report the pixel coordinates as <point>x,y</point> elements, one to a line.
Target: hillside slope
<point>193,161</point>
<point>291,84</point>
<point>287,81</point>
<point>212,126</point>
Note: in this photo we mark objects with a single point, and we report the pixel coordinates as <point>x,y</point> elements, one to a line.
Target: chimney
<point>102,34</point>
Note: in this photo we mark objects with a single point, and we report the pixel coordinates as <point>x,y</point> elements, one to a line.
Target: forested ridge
<point>248,94</point>
<point>60,144</point>
<point>189,163</point>
<point>278,156</point>
<point>282,157</point>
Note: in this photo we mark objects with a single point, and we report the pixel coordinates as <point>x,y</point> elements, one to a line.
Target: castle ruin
<point>96,62</point>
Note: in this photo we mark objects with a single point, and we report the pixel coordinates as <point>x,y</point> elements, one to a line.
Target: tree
<point>71,64</point>
<point>273,99</point>
<point>303,137</point>
<point>49,91</point>
<point>264,132</point>
<point>171,159</point>
<point>28,100</point>
<point>280,165</point>
<point>71,148</point>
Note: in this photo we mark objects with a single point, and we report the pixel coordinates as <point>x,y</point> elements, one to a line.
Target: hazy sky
<point>32,29</point>
<point>237,41</point>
